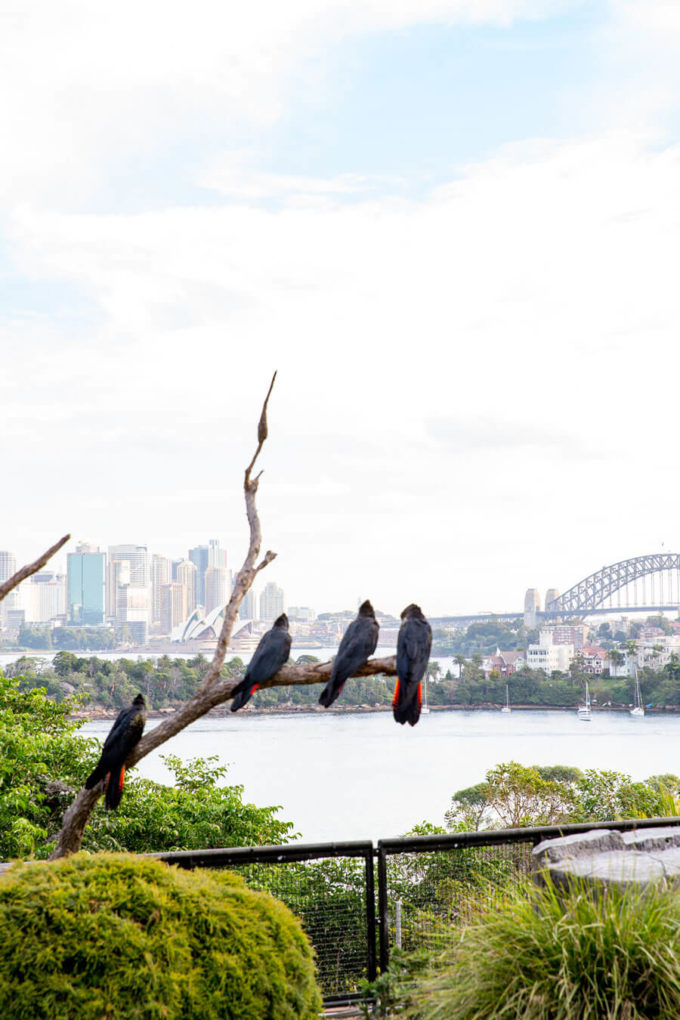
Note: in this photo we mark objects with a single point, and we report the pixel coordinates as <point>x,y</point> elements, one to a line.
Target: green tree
<point>195,813</point>
<point>38,732</point>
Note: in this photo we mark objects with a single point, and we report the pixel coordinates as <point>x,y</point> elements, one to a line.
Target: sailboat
<point>424,708</point>
<point>583,711</point>
<point>638,711</point>
<point>506,706</point>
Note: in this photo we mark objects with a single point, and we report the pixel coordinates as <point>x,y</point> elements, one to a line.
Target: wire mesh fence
<point>330,887</point>
<point>329,897</point>
<point>429,892</point>
<point>426,886</point>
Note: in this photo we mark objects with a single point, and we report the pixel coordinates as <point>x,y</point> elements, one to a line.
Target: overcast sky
<point>453,227</point>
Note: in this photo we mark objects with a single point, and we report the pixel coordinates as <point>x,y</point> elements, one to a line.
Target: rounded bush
<point>112,937</point>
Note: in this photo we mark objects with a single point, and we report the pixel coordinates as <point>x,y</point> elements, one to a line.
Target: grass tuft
<point>544,955</point>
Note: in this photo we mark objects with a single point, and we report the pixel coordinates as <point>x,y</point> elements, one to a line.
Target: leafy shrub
<point>196,812</point>
<point>112,936</point>
<point>544,956</point>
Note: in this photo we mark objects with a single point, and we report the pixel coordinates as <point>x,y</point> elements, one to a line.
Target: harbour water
<point>341,776</point>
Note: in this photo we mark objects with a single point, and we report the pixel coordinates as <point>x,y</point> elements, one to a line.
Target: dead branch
<point>31,568</point>
<point>210,693</point>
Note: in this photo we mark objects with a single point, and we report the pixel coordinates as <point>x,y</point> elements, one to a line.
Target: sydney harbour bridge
<point>643,584</point>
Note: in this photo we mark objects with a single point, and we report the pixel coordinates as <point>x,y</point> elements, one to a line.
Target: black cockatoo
<point>125,734</point>
<point>358,644</point>
<point>413,655</point>
<point>269,656</point>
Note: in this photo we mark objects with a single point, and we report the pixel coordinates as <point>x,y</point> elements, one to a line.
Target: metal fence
<point>425,885</point>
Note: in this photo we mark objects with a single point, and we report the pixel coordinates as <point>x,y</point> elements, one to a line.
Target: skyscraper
<point>217,587</point>
<point>217,557</point>
<point>160,575</point>
<point>138,558</point>
<point>271,601</point>
<point>8,566</point>
<point>199,557</point>
<point>248,608</point>
<point>173,603</point>
<point>186,575</point>
<point>85,586</point>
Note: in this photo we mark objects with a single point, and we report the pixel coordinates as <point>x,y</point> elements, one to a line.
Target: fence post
<point>382,908</point>
<point>370,918</point>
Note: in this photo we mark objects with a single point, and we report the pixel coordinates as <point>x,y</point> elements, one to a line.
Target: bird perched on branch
<point>413,655</point>
<point>358,644</point>
<point>269,656</point>
<point>125,734</point>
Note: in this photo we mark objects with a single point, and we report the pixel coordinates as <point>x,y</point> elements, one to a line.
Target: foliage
<point>37,732</point>
<point>541,955</point>
<point>197,812</point>
<point>43,637</point>
<point>517,795</point>
<point>394,987</point>
<point>113,936</point>
<point>329,897</point>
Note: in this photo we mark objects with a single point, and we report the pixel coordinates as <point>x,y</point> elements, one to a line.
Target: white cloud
<point>537,292</point>
<point>92,84</point>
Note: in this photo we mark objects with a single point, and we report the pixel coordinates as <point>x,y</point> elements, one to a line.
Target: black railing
<point>426,885</point>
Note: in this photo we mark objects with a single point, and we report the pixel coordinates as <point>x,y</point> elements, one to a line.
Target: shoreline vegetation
<point>101,687</point>
<point>94,713</point>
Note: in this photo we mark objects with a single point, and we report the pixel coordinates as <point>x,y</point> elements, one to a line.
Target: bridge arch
<point>590,593</point>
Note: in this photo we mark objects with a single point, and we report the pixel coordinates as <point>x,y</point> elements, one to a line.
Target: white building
<point>43,598</point>
<point>217,587</point>
<point>271,601</point>
<point>548,656</point>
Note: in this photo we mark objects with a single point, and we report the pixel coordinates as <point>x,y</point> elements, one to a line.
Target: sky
<point>452,227</point>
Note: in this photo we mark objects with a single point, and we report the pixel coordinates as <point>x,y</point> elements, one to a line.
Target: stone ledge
<point>608,857</point>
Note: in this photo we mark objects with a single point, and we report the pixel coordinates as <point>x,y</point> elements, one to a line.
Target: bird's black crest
<point>412,612</point>
<point>281,622</point>
<point>139,700</point>
<point>366,609</point>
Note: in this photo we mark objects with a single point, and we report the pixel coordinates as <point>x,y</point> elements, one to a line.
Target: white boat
<point>424,708</point>
<point>638,711</point>
<point>583,711</point>
<point>506,706</point>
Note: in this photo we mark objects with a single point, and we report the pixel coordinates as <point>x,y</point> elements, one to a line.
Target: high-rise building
<point>85,586</point>
<point>44,597</point>
<point>173,603</point>
<point>8,566</point>
<point>532,607</point>
<point>199,557</point>
<point>138,558</point>
<point>217,587</point>
<point>217,557</point>
<point>160,575</point>
<point>132,611</point>
<point>248,608</point>
<point>186,575</point>
<point>204,556</point>
<point>271,601</point>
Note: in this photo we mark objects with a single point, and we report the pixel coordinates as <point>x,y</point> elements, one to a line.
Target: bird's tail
<point>95,777</point>
<point>243,693</point>
<point>114,787</point>
<point>330,693</point>
<point>406,703</point>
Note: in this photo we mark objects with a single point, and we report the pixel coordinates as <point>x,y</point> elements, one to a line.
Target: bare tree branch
<point>31,568</point>
<point>210,693</point>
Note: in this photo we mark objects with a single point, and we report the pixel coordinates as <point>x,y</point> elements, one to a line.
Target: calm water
<point>361,776</point>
